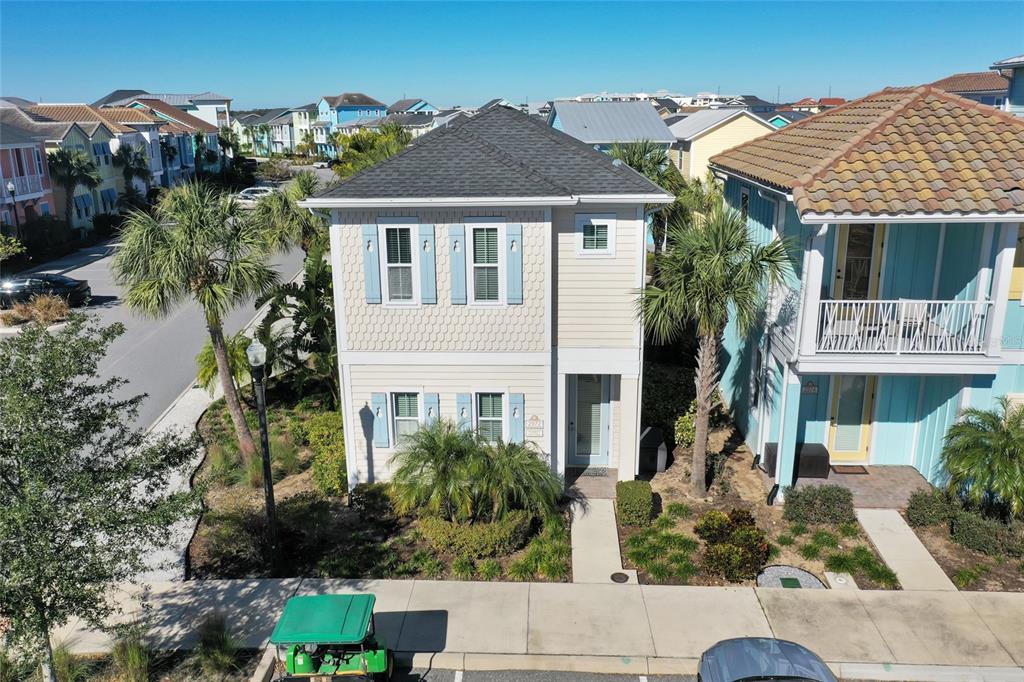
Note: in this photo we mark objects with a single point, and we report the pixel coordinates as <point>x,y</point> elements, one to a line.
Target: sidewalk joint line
<point>989,628</point>
<point>757,596</point>
<point>647,616</point>
<point>529,593</point>
<point>867,612</point>
<point>405,613</point>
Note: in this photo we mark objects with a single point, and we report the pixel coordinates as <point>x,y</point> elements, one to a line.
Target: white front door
<point>589,436</point>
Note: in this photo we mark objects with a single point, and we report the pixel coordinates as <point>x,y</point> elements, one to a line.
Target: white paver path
<point>595,542</point>
<point>902,551</point>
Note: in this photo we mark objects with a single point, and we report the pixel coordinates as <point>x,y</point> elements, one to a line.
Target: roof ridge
<point>978,106</point>
<point>512,160</point>
<point>819,168</point>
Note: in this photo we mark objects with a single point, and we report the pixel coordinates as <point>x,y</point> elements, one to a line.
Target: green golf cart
<point>330,636</point>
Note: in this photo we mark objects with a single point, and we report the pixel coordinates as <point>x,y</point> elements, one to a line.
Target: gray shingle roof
<point>608,122</point>
<point>497,153</point>
<point>700,121</point>
<point>117,96</point>
<point>352,99</point>
<point>403,105</point>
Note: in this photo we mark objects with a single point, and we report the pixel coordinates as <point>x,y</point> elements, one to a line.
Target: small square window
<point>489,416</point>
<point>407,415</point>
<point>595,237</point>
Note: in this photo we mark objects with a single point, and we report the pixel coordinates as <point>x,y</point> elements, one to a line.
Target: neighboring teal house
<point>904,304</point>
<point>1015,93</point>
<point>412,106</point>
<point>347,110</point>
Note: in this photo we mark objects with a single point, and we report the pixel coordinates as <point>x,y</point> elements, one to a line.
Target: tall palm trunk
<point>227,383</point>
<point>707,379</point>
<point>69,190</point>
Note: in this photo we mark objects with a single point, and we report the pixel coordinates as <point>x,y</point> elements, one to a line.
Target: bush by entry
<point>634,502</point>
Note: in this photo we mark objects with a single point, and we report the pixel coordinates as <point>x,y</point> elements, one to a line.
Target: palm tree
<point>650,159</point>
<point>709,270</point>
<point>308,144</point>
<point>131,199</point>
<point>70,168</point>
<point>199,244</point>
<point>250,134</point>
<point>264,131</point>
<point>984,455</point>
<point>281,217</point>
<point>206,362</point>
<point>434,472</point>
<point>133,164</point>
<point>700,196</point>
<point>169,151</point>
<point>513,476</point>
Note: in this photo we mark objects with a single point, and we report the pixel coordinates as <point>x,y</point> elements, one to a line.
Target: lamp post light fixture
<point>257,355</point>
<point>12,190</point>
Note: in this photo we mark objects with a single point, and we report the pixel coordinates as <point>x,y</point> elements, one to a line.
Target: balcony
<point>23,186</point>
<point>903,327</point>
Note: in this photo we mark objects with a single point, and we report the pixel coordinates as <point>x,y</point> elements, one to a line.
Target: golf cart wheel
<point>389,670</point>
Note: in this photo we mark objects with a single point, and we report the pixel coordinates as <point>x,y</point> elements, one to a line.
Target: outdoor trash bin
<point>653,451</point>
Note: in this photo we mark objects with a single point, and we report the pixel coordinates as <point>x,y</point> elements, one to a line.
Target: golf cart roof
<point>325,619</point>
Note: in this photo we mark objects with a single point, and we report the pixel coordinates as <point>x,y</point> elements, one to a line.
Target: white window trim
<point>505,392</point>
<point>382,256</point>
<point>583,219</point>
<point>471,224</point>
<point>393,407</point>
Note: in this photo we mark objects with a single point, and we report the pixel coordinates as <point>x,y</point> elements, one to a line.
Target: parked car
<point>761,658</point>
<point>249,196</point>
<point>321,164</point>
<point>23,287</point>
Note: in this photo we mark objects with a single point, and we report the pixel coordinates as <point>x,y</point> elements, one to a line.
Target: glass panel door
<point>588,419</point>
<point>850,424</point>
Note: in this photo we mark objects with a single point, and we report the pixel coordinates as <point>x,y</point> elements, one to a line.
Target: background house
<point>23,163</point>
<point>702,134</point>
<point>1014,66</point>
<point>987,87</point>
<point>178,133</point>
<point>412,106</point>
<point>211,107</point>
<point>602,124</point>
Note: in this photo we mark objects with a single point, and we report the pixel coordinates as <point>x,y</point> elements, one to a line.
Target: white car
<point>321,164</point>
<point>248,197</point>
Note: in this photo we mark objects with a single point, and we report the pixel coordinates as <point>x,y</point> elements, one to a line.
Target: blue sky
<point>290,53</point>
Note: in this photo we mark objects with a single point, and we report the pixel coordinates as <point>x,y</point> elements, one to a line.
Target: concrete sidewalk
<point>902,551</point>
<point>617,628</point>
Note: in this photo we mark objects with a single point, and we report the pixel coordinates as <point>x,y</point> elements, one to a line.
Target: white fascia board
<point>448,359</point>
<point>327,202</point>
<point>821,218</point>
<point>659,198</point>
<point>788,196</point>
<point>854,363</point>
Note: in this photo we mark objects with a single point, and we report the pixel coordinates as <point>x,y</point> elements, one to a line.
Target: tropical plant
<point>310,347</point>
<point>264,130</point>
<point>85,498</point>
<point>10,247</point>
<point>131,199</point>
<point>250,134</point>
<point>227,140</point>
<point>984,455</point>
<point>133,164</point>
<point>710,271</point>
<point>70,168</point>
<point>699,197</point>
<point>169,151</point>
<point>365,148</point>
<point>307,145</point>
<point>200,245</point>
<point>650,159</point>
<point>206,362</point>
<point>203,153</point>
<point>513,476</point>
<point>280,215</point>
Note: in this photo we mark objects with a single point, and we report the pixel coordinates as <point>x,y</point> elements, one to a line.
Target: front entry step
<point>593,482</point>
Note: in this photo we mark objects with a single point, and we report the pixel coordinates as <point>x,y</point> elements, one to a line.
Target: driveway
<point>157,357</point>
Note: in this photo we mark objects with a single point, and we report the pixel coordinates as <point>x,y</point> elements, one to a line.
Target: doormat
<point>589,471</point>
<point>849,469</point>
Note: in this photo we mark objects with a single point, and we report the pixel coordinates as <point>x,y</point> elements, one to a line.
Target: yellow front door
<point>858,262</point>
<point>850,424</point>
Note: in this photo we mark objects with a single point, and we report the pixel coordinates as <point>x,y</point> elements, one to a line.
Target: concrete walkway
<point>617,628</point>
<point>902,551</point>
<point>595,543</point>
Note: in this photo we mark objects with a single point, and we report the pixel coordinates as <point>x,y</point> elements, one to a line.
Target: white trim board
<point>623,361</point>
<point>846,363</point>
<point>527,358</point>
<point>413,202</point>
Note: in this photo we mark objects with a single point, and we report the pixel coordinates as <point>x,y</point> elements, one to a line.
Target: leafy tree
<point>10,247</point>
<point>365,148</point>
<point>206,362</point>
<point>698,197</point>
<point>280,215</point>
<point>650,159</point>
<point>310,348</point>
<point>984,455</point>
<point>710,270</point>
<point>198,245</point>
<point>70,168</point>
<point>133,164</point>
<point>84,497</point>
<point>264,130</point>
<point>307,145</point>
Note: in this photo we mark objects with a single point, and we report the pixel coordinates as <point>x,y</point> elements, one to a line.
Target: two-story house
<point>348,111</point>
<point>488,275</point>
<point>211,107</point>
<point>23,166</point>
<point>904,306</point>
<point>704,133</point>
<point>177,138</point>
<point>1013,68</point>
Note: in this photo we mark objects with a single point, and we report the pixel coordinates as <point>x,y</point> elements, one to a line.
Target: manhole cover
<point>620,578</point>
<point>790,577</point>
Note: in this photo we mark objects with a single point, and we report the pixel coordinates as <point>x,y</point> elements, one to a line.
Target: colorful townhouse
<point>412,106</point>
<point>488,275</point>
<point>904,304</point>
<point>345,112</point>
<point>708,132</point>
<point>22,165</point>
<point>211,107</point>
<point>178,139</point>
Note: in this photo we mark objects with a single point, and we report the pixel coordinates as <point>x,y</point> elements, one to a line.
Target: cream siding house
<point>706,133</point>
<point>487,275</point>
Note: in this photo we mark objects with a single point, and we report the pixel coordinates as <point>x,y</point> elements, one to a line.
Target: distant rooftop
<point>174,99</point>
<point>701,121</point>
<point>979,81</point>
<point>610,122</point>
<point>352,99</point>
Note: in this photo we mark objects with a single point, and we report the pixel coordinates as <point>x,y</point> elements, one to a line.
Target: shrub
<point>47,309</point>
<point>371,501</point>
<point>217,647</point>
<point>130,656</point>
<point>965,577</point>
<point>462,568</point>
<point>798,529</point>
<point>830,504</point>
<point>785,540</point>
<point>678,510</point>
<point>520,571</point>
<point>823,538</point>
<point>488,569</point>
<point>15,668</point>
<point>68,667</point>
<point>107,225</point>
<point>713,527</point>
<point>849,530</point>
<point>12,318</point>
<point>326,438</point>
<point>739,518</point>
<point>664,522</point>
<point>726,560</point>
<point>930,507</point>
<point>810,551</point>
<point>477,540</point>
<point>634,502</point>
<point>988,536</point>
<point>686,427</point>
<point>285,456</point>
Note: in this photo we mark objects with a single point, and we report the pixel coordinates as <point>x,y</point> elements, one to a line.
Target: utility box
<point>653,451</point>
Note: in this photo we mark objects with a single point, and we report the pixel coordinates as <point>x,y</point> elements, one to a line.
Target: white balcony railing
<point>23,185</point>
<point>903,326</point>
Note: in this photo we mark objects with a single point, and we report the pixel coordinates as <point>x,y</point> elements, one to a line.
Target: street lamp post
<point>257,354</point>
<point>12,190</point>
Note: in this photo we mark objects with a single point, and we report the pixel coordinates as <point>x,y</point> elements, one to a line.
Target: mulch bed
<point>990,574</point>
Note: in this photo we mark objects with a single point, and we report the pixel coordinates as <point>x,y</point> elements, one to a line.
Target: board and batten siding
<point>447,382</point>
<point>444,326</point>
<point>595,304</point>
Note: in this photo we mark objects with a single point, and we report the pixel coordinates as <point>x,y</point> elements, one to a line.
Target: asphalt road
<point>421,675</point>
<point>157,357</point>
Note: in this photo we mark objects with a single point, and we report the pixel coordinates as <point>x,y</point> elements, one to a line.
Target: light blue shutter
<point>516,418</point>
<point>464,411</point>
<point>371,264</point>
<point>428,268</point>
<point>431,408</point>
<point>457,256</point>
<point>379,403</point>
<point>514,263</point>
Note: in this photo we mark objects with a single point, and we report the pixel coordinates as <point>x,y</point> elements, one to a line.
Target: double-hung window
<point>407,414</point>
<point>489,416</point>
<point>398,263</point>
<point>595,234</point>
<point>485,264</point>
